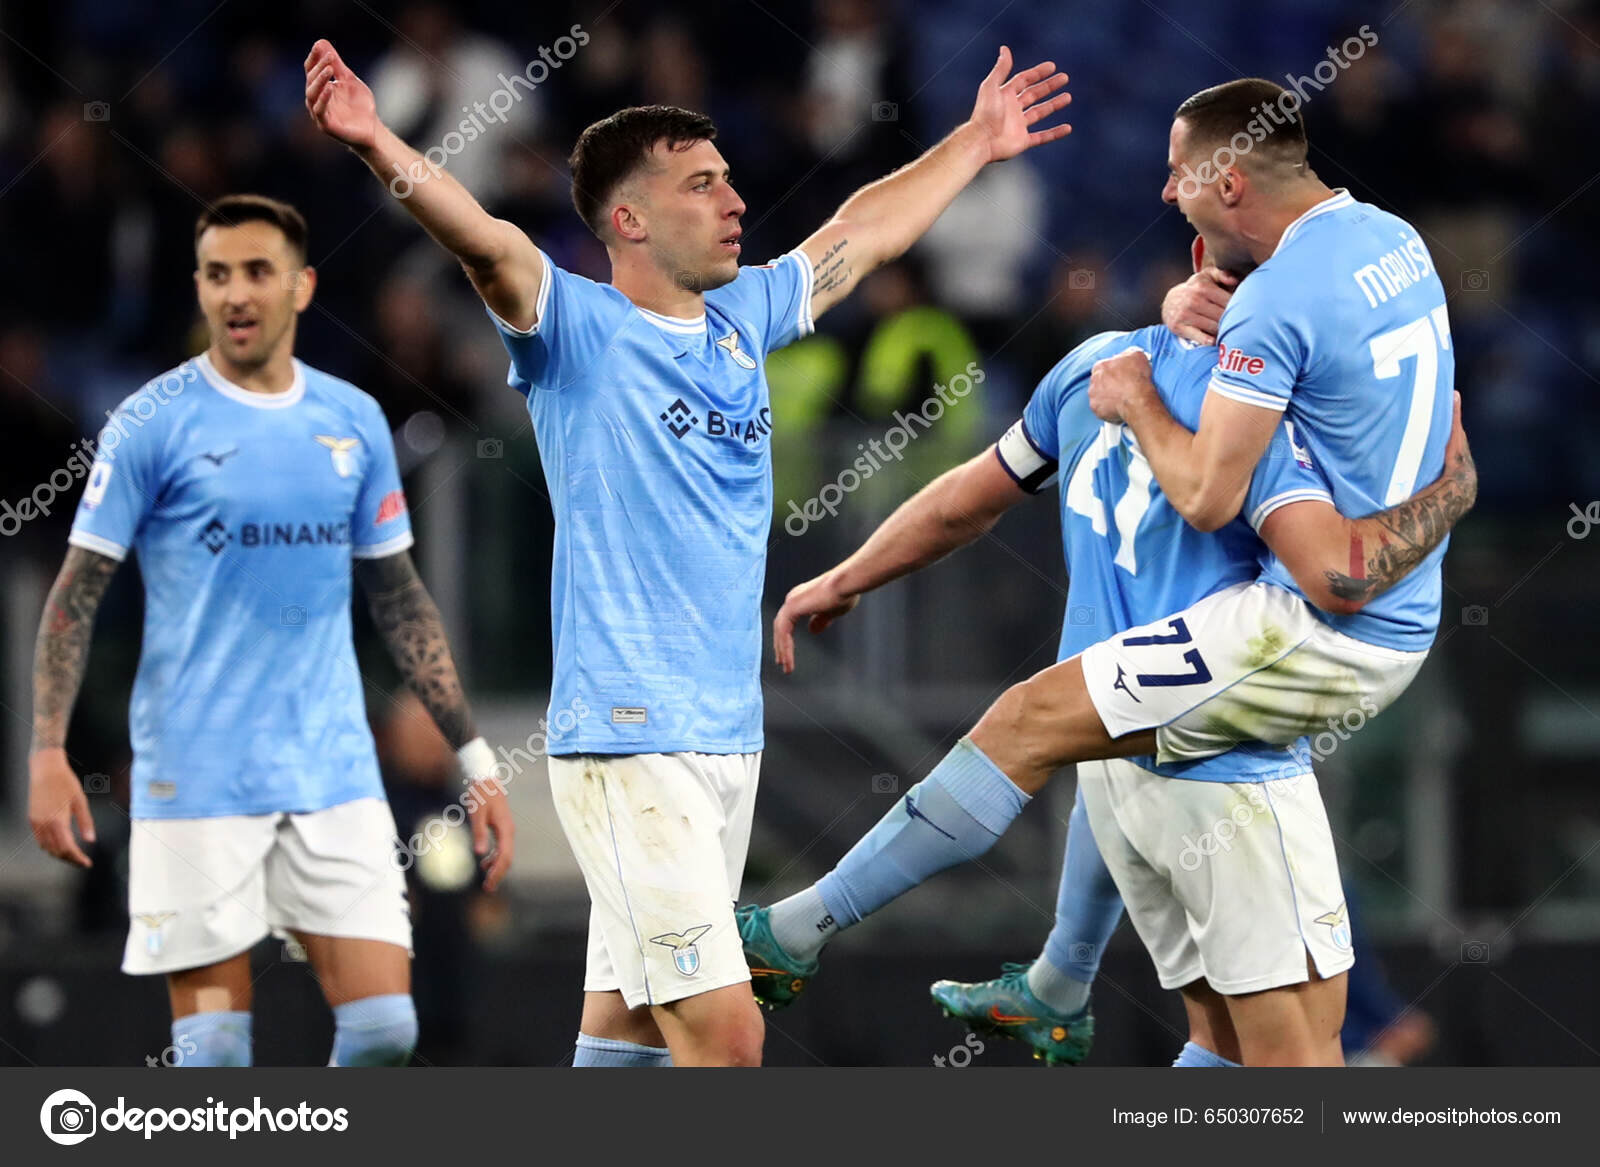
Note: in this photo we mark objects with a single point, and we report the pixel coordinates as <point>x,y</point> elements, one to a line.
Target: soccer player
<point>1129,555</point>
<point>649,403</point>
<point>252,486</point>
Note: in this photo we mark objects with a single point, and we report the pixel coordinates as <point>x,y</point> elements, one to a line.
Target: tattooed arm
<point>61,652</point>
<point>881,220</point>
<point>1341,564</point>
<point>407,619</point>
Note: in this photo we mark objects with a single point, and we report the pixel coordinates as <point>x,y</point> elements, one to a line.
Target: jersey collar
<point>1340,198</point>
<point>296,390</point>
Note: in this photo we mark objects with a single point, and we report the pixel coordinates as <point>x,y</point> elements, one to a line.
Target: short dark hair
<point>232,210</point>
<point>1217,116</point>
<point>613,148</point>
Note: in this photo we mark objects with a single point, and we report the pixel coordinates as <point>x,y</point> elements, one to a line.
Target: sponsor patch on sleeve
<point>392,507</point>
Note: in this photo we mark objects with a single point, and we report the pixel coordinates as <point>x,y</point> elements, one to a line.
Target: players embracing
<point>662,519</point>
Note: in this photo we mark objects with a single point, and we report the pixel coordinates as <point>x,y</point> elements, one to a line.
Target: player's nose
<point>1169,192</point>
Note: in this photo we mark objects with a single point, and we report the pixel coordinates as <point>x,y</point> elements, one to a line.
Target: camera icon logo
<point>97,111</point>
<point>1474,279</point>
<point>97,783</point>
<point>885,784</point>
<point>1474,952</point>
<point>689,281</point>
<point>68,1117</point>
<point>1082,951</point>
<point>1080,615</point>
<point>293,281</point>
<point>491,448</point>
<point>1475,614</point>
<point>292,616</point>
<point>1080,279</point>
<point>885,111</point>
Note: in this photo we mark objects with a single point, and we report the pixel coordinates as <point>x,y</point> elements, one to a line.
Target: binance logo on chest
<point>680,418</point>
<point>344,465</point>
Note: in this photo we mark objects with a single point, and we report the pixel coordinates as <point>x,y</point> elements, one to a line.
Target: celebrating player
<point>251,486</point>
<point>649,402</point>
<point>1129,555</point>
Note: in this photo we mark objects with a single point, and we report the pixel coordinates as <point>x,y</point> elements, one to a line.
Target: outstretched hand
<point>340,103</point>
<point>1007,106</point>
<point>818,602</point>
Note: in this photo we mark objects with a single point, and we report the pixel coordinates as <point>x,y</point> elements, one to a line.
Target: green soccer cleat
<point>775,977</point>
<point>1005,1007</point>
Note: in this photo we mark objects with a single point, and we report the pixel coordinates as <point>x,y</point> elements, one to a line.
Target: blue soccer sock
<point>1194,1056</point>
<point>609,1051</point>
<point>374,1031</point>
<point>954,814</point>
<point>211,1039</point>
<point>1088,910</point>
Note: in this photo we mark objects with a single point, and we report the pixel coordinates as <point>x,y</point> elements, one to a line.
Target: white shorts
<point>1236,882</point>
<point>661,840</point>
<point>203,890</point>
<point>1250,662</point>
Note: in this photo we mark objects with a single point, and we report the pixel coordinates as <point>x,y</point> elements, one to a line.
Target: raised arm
<point>1341,564</point>
<point>501,261</point>
<point>55,796</point>
<point>883,219</point>
<point>950,512</point>
<point>408,621</point>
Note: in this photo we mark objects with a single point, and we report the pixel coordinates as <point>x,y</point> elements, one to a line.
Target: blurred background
<point>1468,816</point>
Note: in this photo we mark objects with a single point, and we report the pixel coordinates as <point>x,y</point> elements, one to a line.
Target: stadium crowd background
<point>1468,814</point>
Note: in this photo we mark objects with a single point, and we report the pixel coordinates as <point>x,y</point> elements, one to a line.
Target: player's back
<point>1345,325</point>
<point>1131,557</point>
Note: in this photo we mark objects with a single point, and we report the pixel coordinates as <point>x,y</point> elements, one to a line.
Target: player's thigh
<point>1118,798</point>
<point>721,1027</point>
<point>333,877</point>
<point>221,987</point>
<point>648,833</point>
<point>606,1014</point>
<point>1292,1025</point>
<point>1158,673</point>
<point>196,891</point>
<point>350,969</point>
<point>1210,1025</point>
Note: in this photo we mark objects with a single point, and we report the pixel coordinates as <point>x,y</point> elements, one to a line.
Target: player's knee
<point>744,1039</point>
<point>209,1039</point>
<point>1025,719</point>
<point>375,1031</point>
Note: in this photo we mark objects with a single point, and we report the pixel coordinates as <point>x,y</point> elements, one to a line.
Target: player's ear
<point>627,223</point>
<point>305,286</point>
<point>1230,186</point>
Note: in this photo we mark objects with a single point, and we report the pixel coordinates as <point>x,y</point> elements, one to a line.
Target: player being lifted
<point>1235,932</point>
<point>1347,313</point>
<point>251,485</point>
<point>649,403</point>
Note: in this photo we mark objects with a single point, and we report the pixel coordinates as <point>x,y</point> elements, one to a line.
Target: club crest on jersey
<point>730,345</point>
<point>685,953</point>
<point>339,450</point>
<point>1338,922</point>
<point>153,922</point>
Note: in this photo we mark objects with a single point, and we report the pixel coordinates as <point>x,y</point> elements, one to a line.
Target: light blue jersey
<point>1131,558</point>
<point>246,510</point>
<point>655,434</point>
<point>1344,327</point>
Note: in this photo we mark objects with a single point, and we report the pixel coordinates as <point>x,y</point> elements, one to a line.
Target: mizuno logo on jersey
<point>1232,360</point>
<point>730,344</point>
<point>339,450</point>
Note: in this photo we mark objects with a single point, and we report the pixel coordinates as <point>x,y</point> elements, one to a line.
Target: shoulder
<point>342,395</point>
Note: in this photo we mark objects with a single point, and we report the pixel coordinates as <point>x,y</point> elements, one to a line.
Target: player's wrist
<point>477,760</point>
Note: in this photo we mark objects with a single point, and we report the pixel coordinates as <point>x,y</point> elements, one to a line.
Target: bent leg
<point>367,984</point>
<point>720,1028</point>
